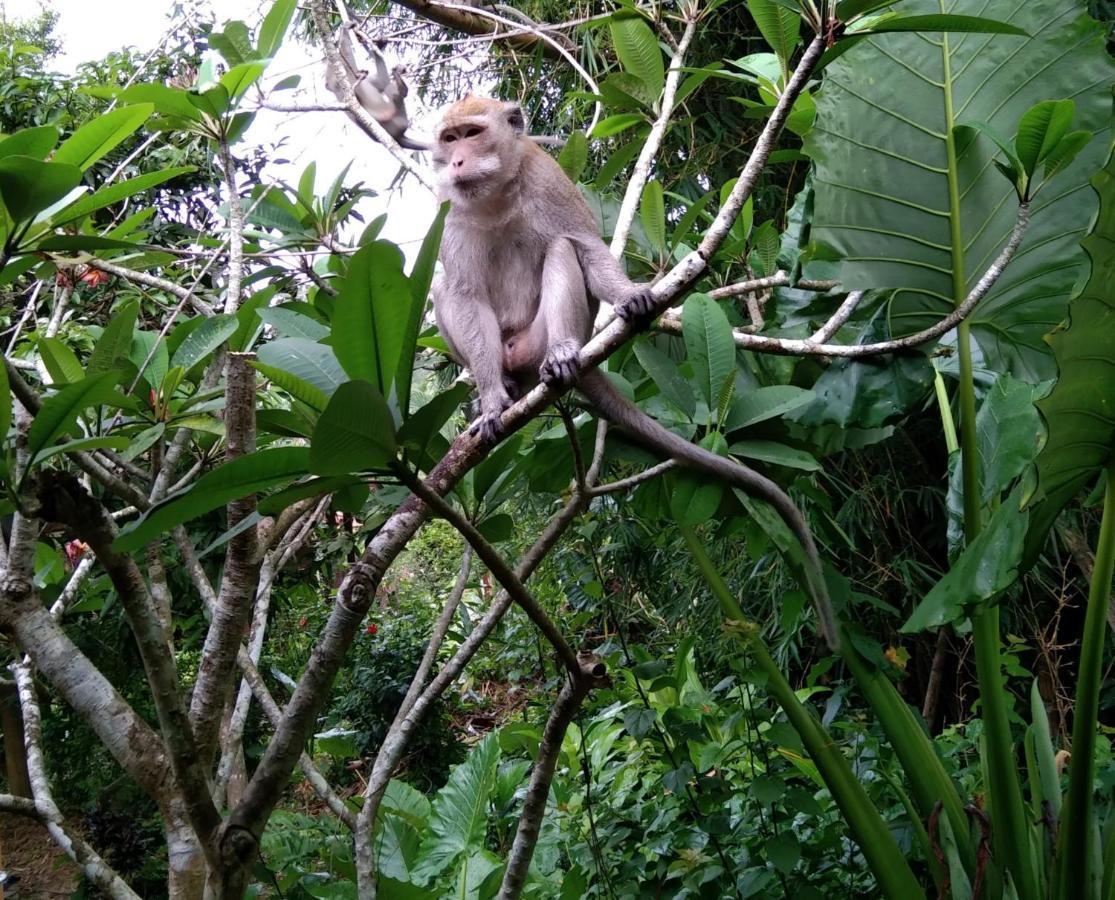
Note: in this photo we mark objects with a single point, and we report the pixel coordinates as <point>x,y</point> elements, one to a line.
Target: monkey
<point>523,272</point>
<point>381,93</point>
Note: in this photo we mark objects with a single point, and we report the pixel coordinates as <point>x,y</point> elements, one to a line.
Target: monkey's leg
<point>607,281</point>
<point>470,328</point>
<point>564,313</point>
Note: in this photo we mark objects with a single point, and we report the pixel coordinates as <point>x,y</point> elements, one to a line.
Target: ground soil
<point>27,851</point>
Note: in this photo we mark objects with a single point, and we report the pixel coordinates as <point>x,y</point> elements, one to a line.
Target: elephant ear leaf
<point>909,200</point>
<point>1080,410</point>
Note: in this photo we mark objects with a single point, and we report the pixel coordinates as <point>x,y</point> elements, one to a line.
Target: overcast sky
<point>88,29</point>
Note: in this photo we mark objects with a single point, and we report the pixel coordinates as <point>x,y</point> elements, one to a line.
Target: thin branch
<point>498,566</point>
<point>43,806</point>
<point>573,692</point>
<point>153,281</point>
<point>348,97</point>
<point>579,473</point>
<point>843,314</point>
<point>624,484</point>
<point>641,172</point>
<point>466,20</point>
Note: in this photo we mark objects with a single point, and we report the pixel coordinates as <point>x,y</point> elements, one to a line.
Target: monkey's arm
<point>470,328</point>
<point>565,312</point>
<point>607,280</point>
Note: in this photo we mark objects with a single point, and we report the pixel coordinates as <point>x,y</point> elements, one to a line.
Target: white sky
<point>89,29</point>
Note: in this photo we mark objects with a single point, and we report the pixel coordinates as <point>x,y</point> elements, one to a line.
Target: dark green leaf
<point>302,390</point>
<point>289,323</point>
<point>944,22</point>
<point>313,363</point>
<point>1008,432</point>
<point>354,433</point>
<point>314,487</point>
<point>574,155</point>
<point>28,186</point>
<point>421,277</point>
<point>778,25</point>
<point>497,528</point>
<point>615,124</point>
<point>115,341</point>
<point>113,442</point>
<point>243,476</point>
<point>760,404</point>
<point>33,142</point>
<point>1041,130</point>
<point>664,372</point>
<point>100,136</point>
<point>59,411</point>
<point>419,429</point>
<point>114,193</point>
<point>368,329</point>
<point>776,454</point>
<point>708,340</point>
<point>652,211</point>
<point>61,362</point>
<point>638,51</point>
<point>986,568</point>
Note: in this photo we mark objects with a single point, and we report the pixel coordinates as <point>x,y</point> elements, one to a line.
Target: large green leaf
<point>664,373</point>
<point>115,341</point>
<point>778,25</point>
<point>274,27</point>
<point>238,478</point>
<point>28,186</point>
<point>204,339</point>
<point>638,52</point>
<point>59,411</point>
<point>94,139</point>
<point>902,216</point>
<point>421,277</point>
<point>460,811</point>
<point>311,362</point>
<point>708,340</point>
<point>354,433</point>
<point>117,192</point>
<point>369,318</point>
<point>1080,411</point>
<point>986,568</point>
<point>1008,431</point>
<point>33,142</point>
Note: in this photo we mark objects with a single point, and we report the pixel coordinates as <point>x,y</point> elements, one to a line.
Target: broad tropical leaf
<point>59,411</point>
<point>911,203</point>
<point>354,433</point>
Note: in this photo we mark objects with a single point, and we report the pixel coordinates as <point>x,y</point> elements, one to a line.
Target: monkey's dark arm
<point>616,408</point>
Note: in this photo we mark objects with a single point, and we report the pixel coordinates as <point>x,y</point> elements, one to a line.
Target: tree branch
<point>465,20</point>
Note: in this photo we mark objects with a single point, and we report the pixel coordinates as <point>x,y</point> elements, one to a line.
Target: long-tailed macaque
<point>381,93</point>
<point>524,271</point>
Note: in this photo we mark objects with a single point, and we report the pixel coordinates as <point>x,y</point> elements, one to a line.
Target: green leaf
<point>148,344</point>
<point>102,135</point>
<point>778,26</point>
<point>652,211</point>
<point>239,78</point>
<point>943,22</point>
<point>113,442</point>
<point>459,819</point>
<point>422,425</point>
<point>302,390</point>
<point>617,161</point>
<point>203,340</point>
<point>776,454</point>
<point>784,851</point>
<point>766,243</point>
<point>242,476</point>
<point>708,341</point>
<point>354,433</point>
<point>233,43</point>
<point>885,208</point>
<point>115,341</point>
<point>368,330</point>
<point>760,404</point>
<point>1008,432</point>
<point>638,52</point>
<point>497,528</point>
<point>310,362</point>
<point>61,362</point>
<point>1061,156</point>
<point>59,411</point>
<point>274,27</point>
<point>291,323</point>
<point>33,142</point>
<point>615,124</point>
<point>28,186</point>
<point>664,373</point>
<point>694,498</point>
<point>1079,412</point>
<point>314,487</point>
<point>421,277</point>
<point>1041,130</point>
<point>986,568</point>
<point>114,193</point>
<point>574,155</point>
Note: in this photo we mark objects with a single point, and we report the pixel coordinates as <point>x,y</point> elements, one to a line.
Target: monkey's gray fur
<point>524,272</point>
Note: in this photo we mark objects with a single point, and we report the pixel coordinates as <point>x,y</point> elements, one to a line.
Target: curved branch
<point>467,21</point>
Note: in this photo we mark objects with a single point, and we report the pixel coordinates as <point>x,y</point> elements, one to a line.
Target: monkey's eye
<point>449,138</point>
<point>473,132</point>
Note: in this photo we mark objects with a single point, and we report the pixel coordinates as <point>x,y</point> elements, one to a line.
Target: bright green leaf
<point>638,51</point>
<point>115,341</point>
<point>59,411</point>
<point>354,433</point>
<point>103,134</point>
<point>708,340</point>
<point>652,212</point>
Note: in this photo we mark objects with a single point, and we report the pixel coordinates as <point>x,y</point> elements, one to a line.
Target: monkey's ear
<point>514,115</point>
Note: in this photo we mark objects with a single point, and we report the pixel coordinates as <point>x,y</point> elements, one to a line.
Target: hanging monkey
<point>524,271</point>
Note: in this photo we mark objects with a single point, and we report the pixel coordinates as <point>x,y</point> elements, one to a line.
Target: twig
<point>43,808</point>
<point>624,484</point>
<point>843,314</point>
<point>641,171</point>
<point>463,18</point>
<point>573,692</point>
<point>153,281</point>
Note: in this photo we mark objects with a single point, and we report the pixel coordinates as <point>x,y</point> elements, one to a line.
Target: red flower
<point>94,277</point>
<point>371,629</point>
<point>303,622</point>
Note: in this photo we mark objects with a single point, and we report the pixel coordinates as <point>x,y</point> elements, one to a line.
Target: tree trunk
<point>15,754</point>
<point>185,861</point>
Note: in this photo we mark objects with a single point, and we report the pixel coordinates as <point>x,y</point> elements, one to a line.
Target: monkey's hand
<point>638,305</point>
<point>561,364</point>
<point>488,423</point>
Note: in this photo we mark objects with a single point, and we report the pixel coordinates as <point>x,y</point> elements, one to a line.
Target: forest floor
<point>27,851</point>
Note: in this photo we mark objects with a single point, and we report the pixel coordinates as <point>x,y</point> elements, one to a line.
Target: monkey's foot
<point>489,423</point>
<point>562,363</point>
<point>639,305</point>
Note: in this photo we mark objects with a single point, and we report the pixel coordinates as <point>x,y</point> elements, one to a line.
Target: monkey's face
<point>478,150</point>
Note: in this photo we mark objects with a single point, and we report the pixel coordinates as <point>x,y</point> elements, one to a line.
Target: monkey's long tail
<point>618,409</point>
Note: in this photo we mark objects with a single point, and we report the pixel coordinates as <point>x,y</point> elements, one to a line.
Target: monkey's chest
<point>511,269</point>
